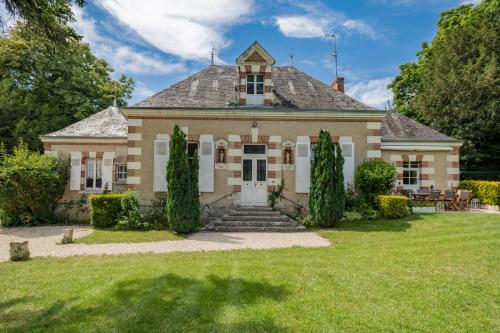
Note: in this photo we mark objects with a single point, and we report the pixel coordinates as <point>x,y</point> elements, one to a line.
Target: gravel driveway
<point>42,242</point>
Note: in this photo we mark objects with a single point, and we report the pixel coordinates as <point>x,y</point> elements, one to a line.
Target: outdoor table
<point>420,196</point>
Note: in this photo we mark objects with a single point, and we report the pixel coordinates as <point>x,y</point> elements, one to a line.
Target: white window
<point>192,150</point>
<point>93,179</point>
<point>120,172</point>
<point>411,172</point>
<point>255,84</point>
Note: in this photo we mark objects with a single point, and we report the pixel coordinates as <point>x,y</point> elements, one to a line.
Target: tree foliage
<point>373,178</point>
<point>181,197</point>
<point>43,17</point>
<point>326,198</point>
<point>31,184</point>
<point>454,86</point>
<point>45,86</point>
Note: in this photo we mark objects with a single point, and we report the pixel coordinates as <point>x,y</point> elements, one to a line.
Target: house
<point>252,124</point>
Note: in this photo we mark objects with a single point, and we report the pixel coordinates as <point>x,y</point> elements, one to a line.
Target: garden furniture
<point>448,198</point>
<point>462,200</point>
<point>434,195</point>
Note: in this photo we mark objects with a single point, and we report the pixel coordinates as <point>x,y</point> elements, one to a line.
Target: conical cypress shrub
<point>338,184</point>
<point>179,195</point>
<point>322,196</point>
<point>194,166</point>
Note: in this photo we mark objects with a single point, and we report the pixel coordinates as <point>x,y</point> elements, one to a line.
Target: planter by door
<point>254,179</point>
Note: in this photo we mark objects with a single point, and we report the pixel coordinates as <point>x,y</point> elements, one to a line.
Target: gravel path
<point>42,242</point>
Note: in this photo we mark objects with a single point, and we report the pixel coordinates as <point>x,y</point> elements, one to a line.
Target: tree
<point>45,86</point>
<point>31,184</point>
<point>194,167</point>
<point>454,86</point>
<point>322,194</point>
<point>338,183</point>
<point>180,190</point>
<point>373,178</point>
<point>43,17</point>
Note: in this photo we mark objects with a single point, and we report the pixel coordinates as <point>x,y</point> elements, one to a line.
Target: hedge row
<point>106,209</point>
<point>488,192</point>
<point>393,206</point>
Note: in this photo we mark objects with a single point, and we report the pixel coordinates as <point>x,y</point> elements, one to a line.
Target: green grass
<point>433,273</point>
<point>100,236</point>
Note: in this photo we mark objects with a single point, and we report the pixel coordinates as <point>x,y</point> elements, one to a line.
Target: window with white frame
<point>192,150</point>
<point>120,172</point>
<point>93,177</point>
<point>411,172</point>
<point>255,84</point>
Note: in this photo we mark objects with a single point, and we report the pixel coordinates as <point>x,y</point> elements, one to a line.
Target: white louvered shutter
<point>348,154</point>
<point>302,165</point>
<point>76,171</point>
<point>206,153</point>
<point>107,169</point>
<point>161,151</point>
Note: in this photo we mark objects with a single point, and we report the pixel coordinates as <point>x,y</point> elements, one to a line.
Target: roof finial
<point>291,55</point>
<point>212,54</point>
<point>115,103</point>
<point>334,54</point>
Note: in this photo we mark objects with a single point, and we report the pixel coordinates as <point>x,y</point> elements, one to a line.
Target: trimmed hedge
<point>393,206</point>
<point>106,209</point>
<point>488,192</point>
<point>374,178</point>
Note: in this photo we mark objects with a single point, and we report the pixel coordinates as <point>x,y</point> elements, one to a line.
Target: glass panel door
<point>247,170</point>
<point>261,170</point>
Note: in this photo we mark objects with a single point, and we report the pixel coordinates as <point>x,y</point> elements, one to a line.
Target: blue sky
<point>160,42</point>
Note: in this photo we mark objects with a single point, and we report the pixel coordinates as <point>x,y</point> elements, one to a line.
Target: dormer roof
<point>255,54</point>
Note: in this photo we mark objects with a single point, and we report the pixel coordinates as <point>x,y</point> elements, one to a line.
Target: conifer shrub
<point>374,178</point>
<point>393,206</point>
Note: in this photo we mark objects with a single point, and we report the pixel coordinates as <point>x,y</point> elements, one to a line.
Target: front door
<point>254,181</point>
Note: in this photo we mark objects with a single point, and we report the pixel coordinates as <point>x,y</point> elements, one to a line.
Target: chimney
<point>338,84</point>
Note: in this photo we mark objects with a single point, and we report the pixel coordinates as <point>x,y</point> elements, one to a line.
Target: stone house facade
<point>252,124</point>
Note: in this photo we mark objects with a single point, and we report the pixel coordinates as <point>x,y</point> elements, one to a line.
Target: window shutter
<point>107,170</point>
<point>76,171</point>
<point>206,152</point>
<point>348,154</point>
<point>302,165</point>
<point>161,151</point>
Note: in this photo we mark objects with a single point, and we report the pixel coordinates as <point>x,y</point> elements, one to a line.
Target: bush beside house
<point>374,178</point>
<point>106,209</point>
<point>488,192</point>
<point>393,206</point>
<point>31,185</point>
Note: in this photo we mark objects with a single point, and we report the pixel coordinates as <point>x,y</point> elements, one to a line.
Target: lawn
<point>433,273</point>
<point>100,236</point>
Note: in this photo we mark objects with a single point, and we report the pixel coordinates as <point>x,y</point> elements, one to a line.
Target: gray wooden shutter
<point>107,169</point>
<point>348,154</point>
<point>302,164</point>
<point>161,153</point>
<point>206,153</point>
<point>76,171</point>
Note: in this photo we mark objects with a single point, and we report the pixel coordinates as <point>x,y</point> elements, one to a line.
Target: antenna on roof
<point>291,55</point>
<point>212,54</point>
<point>334,53</point>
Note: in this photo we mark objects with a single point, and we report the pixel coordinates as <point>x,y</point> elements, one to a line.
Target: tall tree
<point>454,86</point>
<point>194,167</point>
<point>46,86</point>
<point>43,17</point>
<point>179,188</point>
<point>338,183</point>
<point>321,194</point>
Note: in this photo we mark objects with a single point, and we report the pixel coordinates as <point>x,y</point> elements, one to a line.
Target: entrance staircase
<point>254,219</point>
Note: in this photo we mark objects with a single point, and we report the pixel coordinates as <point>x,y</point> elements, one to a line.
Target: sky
<point>160,42</point>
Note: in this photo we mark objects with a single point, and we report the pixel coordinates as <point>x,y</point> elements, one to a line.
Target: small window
<point>255,84</point>
<point>120,172</point>
<point>192,149</point>
<point>93,178</point>
<point>410,173</point>
<point>254,149</point>
<point>313,150</point>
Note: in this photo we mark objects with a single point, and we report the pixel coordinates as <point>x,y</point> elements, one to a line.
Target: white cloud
<point>141,90</point>
<point>371,92</point>
<point>185,28</point>
<point>121,57</point>
<point>318,20</point>
<point>469,2</point>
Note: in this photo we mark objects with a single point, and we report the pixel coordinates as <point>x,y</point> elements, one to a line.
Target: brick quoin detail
<point>314,139</point>
<point>270,188</point>
<point>237,174</point>
<point>419,158</point>
<point>263,139</point>
<point>271,145</point>
<point>267,75</point>
<point>237,159</point>
<point>130,158</point>
<point>99,154</point>
<point>193,138</point>
<point>243,101</point>
<point>237,188</point>
<point>456,151</point>
<point>237,145</point>
<point>130,143</point>
<point>262,69</point>
<point>271,174</point>
<point>455,164</point>
<point>376,132</point>
<point>134,129</point>
<point>271,160</point>
<point>335,138</point>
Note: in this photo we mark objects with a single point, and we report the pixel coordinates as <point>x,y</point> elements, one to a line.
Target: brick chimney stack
<point>338,84</point>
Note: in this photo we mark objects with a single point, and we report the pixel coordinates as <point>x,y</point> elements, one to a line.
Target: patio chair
<point>462,200</point>
<point>435,195</point>
<point>448,199</point>
<point>423,189</point>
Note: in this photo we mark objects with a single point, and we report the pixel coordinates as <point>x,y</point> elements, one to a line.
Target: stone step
<point>254,209</point>
<point>255,218</point>
<point>253,213</point>
<point>238,223</point>
<point>218,228</point>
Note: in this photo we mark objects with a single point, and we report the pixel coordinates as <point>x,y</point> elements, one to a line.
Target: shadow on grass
<point>169,303</point>
<point>381,225</point>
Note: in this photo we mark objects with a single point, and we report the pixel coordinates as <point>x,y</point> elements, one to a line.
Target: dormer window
<point>255,84</point>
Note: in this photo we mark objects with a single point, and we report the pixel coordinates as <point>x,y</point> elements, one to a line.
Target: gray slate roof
<point>108,123</point>
<point>396,127</point>
<point>217,87</point>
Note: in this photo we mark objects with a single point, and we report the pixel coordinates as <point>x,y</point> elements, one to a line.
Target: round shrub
<point>373,178</point>
<point>106,209</point>
<point>393,206</point>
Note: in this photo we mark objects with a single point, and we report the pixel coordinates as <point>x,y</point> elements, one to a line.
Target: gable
<point>255,57</point>
<point>255,54</point>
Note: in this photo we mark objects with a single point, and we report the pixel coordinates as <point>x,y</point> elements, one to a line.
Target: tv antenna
<point>212,54</point>
<point>291,55</point>
<point>334,53</point>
